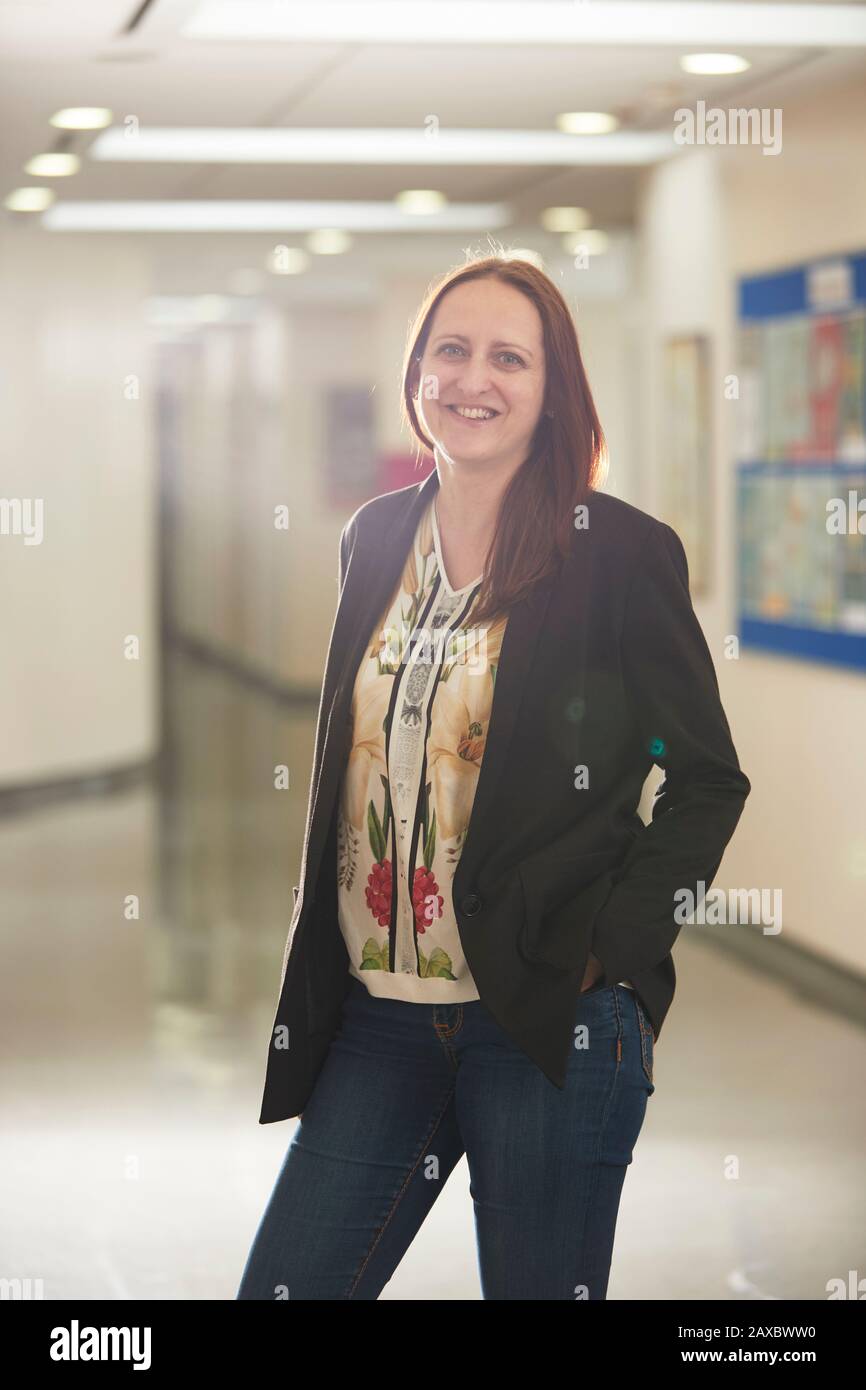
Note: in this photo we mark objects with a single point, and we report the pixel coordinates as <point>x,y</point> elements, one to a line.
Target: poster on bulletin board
<point>801,470</point>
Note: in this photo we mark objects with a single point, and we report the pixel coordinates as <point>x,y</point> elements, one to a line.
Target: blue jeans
<point>405,1090</point>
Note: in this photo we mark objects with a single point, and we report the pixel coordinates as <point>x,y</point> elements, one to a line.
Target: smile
<point>476,413</point>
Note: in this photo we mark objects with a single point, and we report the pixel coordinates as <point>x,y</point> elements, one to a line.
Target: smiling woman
<point>478,888</point>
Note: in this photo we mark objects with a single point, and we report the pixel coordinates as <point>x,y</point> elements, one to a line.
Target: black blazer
<point>603,665</point>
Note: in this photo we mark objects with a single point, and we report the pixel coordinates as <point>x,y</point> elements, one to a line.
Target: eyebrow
<point>463,339</point>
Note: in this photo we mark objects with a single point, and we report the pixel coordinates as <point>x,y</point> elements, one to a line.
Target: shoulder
<point>631,532</point>
<point>373,519</point>
<point>619,519</point>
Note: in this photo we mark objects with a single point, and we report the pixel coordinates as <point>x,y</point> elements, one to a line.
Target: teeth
<point>474,413</point>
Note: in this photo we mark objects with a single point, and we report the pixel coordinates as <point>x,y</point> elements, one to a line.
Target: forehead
<point>488,308</point>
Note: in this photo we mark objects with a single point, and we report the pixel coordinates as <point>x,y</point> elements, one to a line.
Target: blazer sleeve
<point>674,694</point>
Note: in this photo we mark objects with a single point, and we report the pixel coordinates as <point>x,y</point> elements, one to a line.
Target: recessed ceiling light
<point>593,241</point>
<point>329,241</point>
<point>53,166</point>
<point>564,219</point>
<point>288,260</point>
<point>29,199</point>
<point>713,64</point>
<point>587,122</point>
<point>420,201</point>
<point>82,118</point>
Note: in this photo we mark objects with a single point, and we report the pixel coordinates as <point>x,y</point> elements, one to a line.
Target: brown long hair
<point>567,457</point>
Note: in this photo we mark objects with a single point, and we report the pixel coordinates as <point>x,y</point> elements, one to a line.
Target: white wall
<point>708,217</point>
<point>72,346</point>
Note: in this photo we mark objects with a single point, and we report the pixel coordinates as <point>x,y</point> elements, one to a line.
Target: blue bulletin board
<point>801,470</point>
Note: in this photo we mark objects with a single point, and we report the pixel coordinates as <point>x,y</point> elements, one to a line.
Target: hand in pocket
<point>593,973</point>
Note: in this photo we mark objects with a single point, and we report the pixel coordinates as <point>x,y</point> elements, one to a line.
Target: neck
<point>467,501</point>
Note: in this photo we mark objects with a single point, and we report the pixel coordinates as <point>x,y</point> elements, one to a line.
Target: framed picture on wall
<point>686,452</point>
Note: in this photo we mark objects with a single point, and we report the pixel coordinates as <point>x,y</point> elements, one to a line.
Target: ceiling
<point>130,56</point>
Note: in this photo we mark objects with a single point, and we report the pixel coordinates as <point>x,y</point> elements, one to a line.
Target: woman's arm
<point>672,685</point>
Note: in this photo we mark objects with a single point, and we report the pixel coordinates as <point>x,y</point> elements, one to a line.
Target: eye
<point>513,358</point>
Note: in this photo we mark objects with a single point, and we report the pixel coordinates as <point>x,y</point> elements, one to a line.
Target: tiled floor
<point>132,1058</point>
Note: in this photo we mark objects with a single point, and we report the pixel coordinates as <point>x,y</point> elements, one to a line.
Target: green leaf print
<point>437,965</point>
<point>377,837</point>
<point>430,845</point>
<point>374,957</point>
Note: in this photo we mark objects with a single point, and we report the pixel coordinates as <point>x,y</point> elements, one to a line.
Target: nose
<point>474,378</point>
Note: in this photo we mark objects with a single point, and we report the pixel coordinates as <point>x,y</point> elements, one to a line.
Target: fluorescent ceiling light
<point>82,118</point>
<point>255,216</point>
<point>218,145</point>
<point>53,165</point>
<point>29,199</point>
<point>551,22</point>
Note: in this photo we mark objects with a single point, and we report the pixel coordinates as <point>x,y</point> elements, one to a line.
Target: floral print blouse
<point>420,713</point>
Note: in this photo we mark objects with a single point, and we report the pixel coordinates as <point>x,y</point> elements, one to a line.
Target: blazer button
<point>471,904</point>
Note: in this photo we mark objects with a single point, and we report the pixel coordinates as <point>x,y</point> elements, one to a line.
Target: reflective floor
<point>142,942</point>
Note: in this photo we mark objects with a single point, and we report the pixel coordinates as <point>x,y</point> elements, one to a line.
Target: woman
<point>479,959</point>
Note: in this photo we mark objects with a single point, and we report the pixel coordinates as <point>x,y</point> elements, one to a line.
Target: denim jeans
<point>405,1090</point>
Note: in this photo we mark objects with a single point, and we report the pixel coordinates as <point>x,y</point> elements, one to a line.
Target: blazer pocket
<point>562,898</point>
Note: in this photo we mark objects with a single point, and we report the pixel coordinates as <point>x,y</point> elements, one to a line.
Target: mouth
<point>473,415</point>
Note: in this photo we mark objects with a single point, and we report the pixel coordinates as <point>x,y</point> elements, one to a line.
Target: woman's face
<point>484,349</point>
